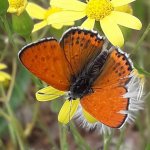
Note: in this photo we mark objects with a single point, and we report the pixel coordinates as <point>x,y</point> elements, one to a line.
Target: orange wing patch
<point>46,60</point>
<point>105,106</point>
<point>79,46</point>
<point>115,71</point>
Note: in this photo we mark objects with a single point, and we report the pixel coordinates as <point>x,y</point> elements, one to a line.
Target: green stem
<point>12,134</point>
<point>44,32</point>
<point>11,130</point>
<point>60,135</point>
<point>140,41</point>
<point>30,127</point>
<point>120,138</point>
<point>79,137</point>
<point>14,69</point>
<point>64,135</point>
<point>28,39</point>
<point>148,111</point>
<point>107,139</point>
<point>48,135</point>
<point>4,52</point>
<point>140,128</point>
<point>141,70</point>
<point>12,118</point>
<point>2,113</point>
<point>15,128</point>
<point>3,17</point>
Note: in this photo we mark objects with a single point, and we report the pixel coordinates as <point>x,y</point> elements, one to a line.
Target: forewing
<point>115,72</point>
<point>80,46</point>
<point>47,61</point>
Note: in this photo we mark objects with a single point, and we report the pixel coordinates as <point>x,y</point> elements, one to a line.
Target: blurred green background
<point>33,125</point>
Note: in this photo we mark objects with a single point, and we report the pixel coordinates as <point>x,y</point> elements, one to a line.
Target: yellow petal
<point>88,24</point>
<point>22,9</point>
<point>48,93</point>
<point>112,31</point>
<point>2,79</point>
<point>65,16</point>
<point>69,4</point>
<point>35,11</point>
<point>39,25</point>
<point>68,23</point>
<point>2,66</point>
<point>12,10</point>
<point>69,108</point>
<point>57,26</point>
<point>125,8</point>
<point>4,76</point>
<point>126,20</point>
<point>17,6</point>
<point>88,117</point>
<point>121,2</point>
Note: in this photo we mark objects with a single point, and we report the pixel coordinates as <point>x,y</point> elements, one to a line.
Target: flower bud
<point>23,24</point>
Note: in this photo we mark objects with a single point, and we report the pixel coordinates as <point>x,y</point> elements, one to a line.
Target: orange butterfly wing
<point>79,46</point>
<point>105,105</point>
<point>47,61</point>
<point>116,70</point>
<point>107,100</point>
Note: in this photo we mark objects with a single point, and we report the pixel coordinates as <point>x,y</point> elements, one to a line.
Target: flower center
<point>17,3</point>
<point>50,11</point>
<point>98,9</point>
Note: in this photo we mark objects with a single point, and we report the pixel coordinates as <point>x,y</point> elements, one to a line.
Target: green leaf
<point>148,147</point>
<point>3,7</point>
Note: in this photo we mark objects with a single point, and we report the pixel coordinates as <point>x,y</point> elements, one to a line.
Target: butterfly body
<point>82,84</point>
<point>82,66</point>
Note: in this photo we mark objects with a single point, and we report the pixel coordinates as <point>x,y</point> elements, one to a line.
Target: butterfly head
<point>80,88</point>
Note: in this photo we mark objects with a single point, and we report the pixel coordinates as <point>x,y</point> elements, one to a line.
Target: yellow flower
<point>97,10</point>
<point>3,76</point>
<point>17,6</point>
<point>37,12</point>
<point>65,114</point>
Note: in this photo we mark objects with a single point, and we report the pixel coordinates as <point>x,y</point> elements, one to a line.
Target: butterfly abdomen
<point>94,69</point>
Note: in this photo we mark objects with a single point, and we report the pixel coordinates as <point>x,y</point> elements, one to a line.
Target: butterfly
<point>104,80</point>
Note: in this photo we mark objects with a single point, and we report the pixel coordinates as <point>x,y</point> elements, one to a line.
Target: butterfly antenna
<point>69,116</point>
